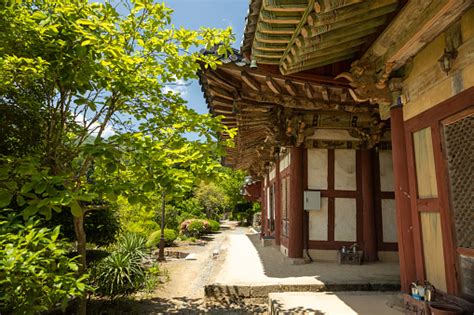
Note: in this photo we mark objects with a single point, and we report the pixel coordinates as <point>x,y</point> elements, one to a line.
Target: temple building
<point>355,120</point>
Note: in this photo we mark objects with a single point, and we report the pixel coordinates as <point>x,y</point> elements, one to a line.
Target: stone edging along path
<point>223,291</point>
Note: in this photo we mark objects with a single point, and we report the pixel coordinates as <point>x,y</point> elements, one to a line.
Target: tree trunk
<point>161,252</point>
<point>81,248</point>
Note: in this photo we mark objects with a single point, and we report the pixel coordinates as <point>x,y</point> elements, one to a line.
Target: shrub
<point>194,227</point>
<point>133,244</point>
<point>35,272</point>
<point>214,226</point>
<point>154,238</point>
<point>121,273</point>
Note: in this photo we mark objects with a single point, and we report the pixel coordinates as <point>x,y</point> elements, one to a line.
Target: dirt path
<point>184,292</point>
<point>188,277</point>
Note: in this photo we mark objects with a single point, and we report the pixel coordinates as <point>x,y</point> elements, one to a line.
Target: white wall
<point>386,170</point>
<point>272,174</point>
<point>389,221</point>
<point>345,220</point>
<point>318,169</point>
<point>318,222</point>
<point>345,170</point>
<point>285,162</point>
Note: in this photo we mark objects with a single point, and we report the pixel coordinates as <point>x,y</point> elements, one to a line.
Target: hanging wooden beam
<point>272,85</point>
<point>250,81</point>
<point>290,87</point>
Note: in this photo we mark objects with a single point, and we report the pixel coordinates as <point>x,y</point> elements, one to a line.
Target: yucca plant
<point>121,273</point>
<point>133,244</point>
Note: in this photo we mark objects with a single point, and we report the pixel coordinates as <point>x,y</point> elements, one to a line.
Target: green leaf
<point>20,200</point>
<point>46,212</point>
<point>27,187</point>
<point>111,167</point>
<point>133,200</point>
<point>40,187</point>
<point>73,266</point>
<point>11,185</point>
<point>148,186</point>
<point>76,209</point>
<point>55,233</point>
<point>29,211</point>
<point>5,198</point>
<point>86,42</point>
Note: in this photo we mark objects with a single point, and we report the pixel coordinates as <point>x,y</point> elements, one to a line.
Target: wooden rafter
<point>250,81</point>
<point>272,85</point>
<point>290,87</point>
<point>308,90</point>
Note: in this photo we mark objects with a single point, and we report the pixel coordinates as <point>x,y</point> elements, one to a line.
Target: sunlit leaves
<point>99,68</point>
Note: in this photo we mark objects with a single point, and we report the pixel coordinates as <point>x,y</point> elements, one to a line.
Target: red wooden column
<point>277,202</point>
<point>368,210</point>
<point>402,202</point>
<point>264,208</point>
<point>296,212</point>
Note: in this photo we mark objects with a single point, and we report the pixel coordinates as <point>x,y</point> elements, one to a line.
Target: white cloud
<point>178,87</point>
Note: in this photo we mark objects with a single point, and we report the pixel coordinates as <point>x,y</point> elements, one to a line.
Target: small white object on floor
<point>215,253</point>
<point>191,256</point>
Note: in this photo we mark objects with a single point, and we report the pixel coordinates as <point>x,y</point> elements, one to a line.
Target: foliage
<point>97,75</point>
<point>212,198</point>
<point>137,218</point>
<point>154,238</point>
<point>121,273</point>
<point>35,272</point>
<point>194,227</point>
<point>101,226</point>
<point>232,184</point>
<point>214,226</point>
<point>133,245</point>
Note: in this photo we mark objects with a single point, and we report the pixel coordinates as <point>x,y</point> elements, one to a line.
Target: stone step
<point>226,291</point>
<point>335,303</point>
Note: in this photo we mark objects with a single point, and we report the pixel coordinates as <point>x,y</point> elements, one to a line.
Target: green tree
<point>232,183</point>
<point>96,69</point>
<point>213,198</point>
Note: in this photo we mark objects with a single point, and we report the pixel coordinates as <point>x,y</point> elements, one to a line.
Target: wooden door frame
<point>433,119</point>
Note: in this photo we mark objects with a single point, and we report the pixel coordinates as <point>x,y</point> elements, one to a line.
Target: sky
<point>192,14</point>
